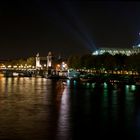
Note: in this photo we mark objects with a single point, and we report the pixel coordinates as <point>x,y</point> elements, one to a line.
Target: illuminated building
<point>114,51</point>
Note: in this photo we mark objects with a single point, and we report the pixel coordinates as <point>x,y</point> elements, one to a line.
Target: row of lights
<point>110,71</point>
<point>16,66</point>
<point>62,66</point>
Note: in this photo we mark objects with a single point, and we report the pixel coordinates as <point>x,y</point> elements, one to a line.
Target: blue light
<point>74,82</point>
<point>75,26</point>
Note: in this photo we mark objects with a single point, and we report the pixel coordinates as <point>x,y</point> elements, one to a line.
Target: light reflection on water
<point>26,105</point>
<point>40,109</point>
<point>64,127</point>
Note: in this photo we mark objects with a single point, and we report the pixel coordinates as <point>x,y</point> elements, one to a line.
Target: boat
<point>87,78</point>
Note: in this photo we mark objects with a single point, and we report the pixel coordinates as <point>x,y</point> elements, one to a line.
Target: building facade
<point>114,51</point>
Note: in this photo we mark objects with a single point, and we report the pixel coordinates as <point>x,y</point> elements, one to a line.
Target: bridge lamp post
<point>30,66</point>
<point>3,66</point>
<point>9,66</point>
<point>15,66</point>
<point>33,67</point>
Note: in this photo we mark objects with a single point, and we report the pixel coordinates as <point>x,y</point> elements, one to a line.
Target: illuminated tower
<point>37,61</point>
<point>49,60</point>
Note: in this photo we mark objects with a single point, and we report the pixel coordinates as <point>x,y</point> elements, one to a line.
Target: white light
<point>95,53</point>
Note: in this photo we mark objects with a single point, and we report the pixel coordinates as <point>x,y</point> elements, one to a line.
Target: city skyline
<point>66,27</point>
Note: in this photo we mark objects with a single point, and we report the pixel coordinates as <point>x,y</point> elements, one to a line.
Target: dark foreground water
<point>42,109</point>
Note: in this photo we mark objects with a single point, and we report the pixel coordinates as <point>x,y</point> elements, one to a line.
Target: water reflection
<point>110,110</point>
<point>38,108</point>
<point>28,108</point>
<point>64,126</point>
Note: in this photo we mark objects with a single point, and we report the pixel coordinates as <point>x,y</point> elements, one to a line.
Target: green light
<point>105,85</point>
<point>93,85</point>
<point>74,82</point>
<point>127,88</point>
<point>133,87</point>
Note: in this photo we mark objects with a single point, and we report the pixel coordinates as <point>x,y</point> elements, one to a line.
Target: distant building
<point>114,51</point>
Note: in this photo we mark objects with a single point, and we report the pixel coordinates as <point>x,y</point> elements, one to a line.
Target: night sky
<point>66,27</point>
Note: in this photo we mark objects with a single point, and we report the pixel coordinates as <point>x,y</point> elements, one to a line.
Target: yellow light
<point>9,66</point>
<point>58,65</point>
<point>15,66</point>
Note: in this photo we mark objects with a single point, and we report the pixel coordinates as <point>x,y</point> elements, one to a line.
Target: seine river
<point>43,109</point>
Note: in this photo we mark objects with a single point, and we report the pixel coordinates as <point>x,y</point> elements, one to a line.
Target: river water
<point>44,109</point>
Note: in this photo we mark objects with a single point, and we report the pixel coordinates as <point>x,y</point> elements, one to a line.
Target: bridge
<point>22,72</point>
<point>29,70</point>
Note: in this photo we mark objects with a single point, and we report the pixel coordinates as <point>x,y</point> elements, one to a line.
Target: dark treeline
<point>106,61</point>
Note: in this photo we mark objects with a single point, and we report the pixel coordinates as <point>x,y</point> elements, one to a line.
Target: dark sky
<point>66,27</point>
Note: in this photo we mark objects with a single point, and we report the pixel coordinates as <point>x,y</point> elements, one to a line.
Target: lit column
<point>49,60</point>
<point>37,61</point>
